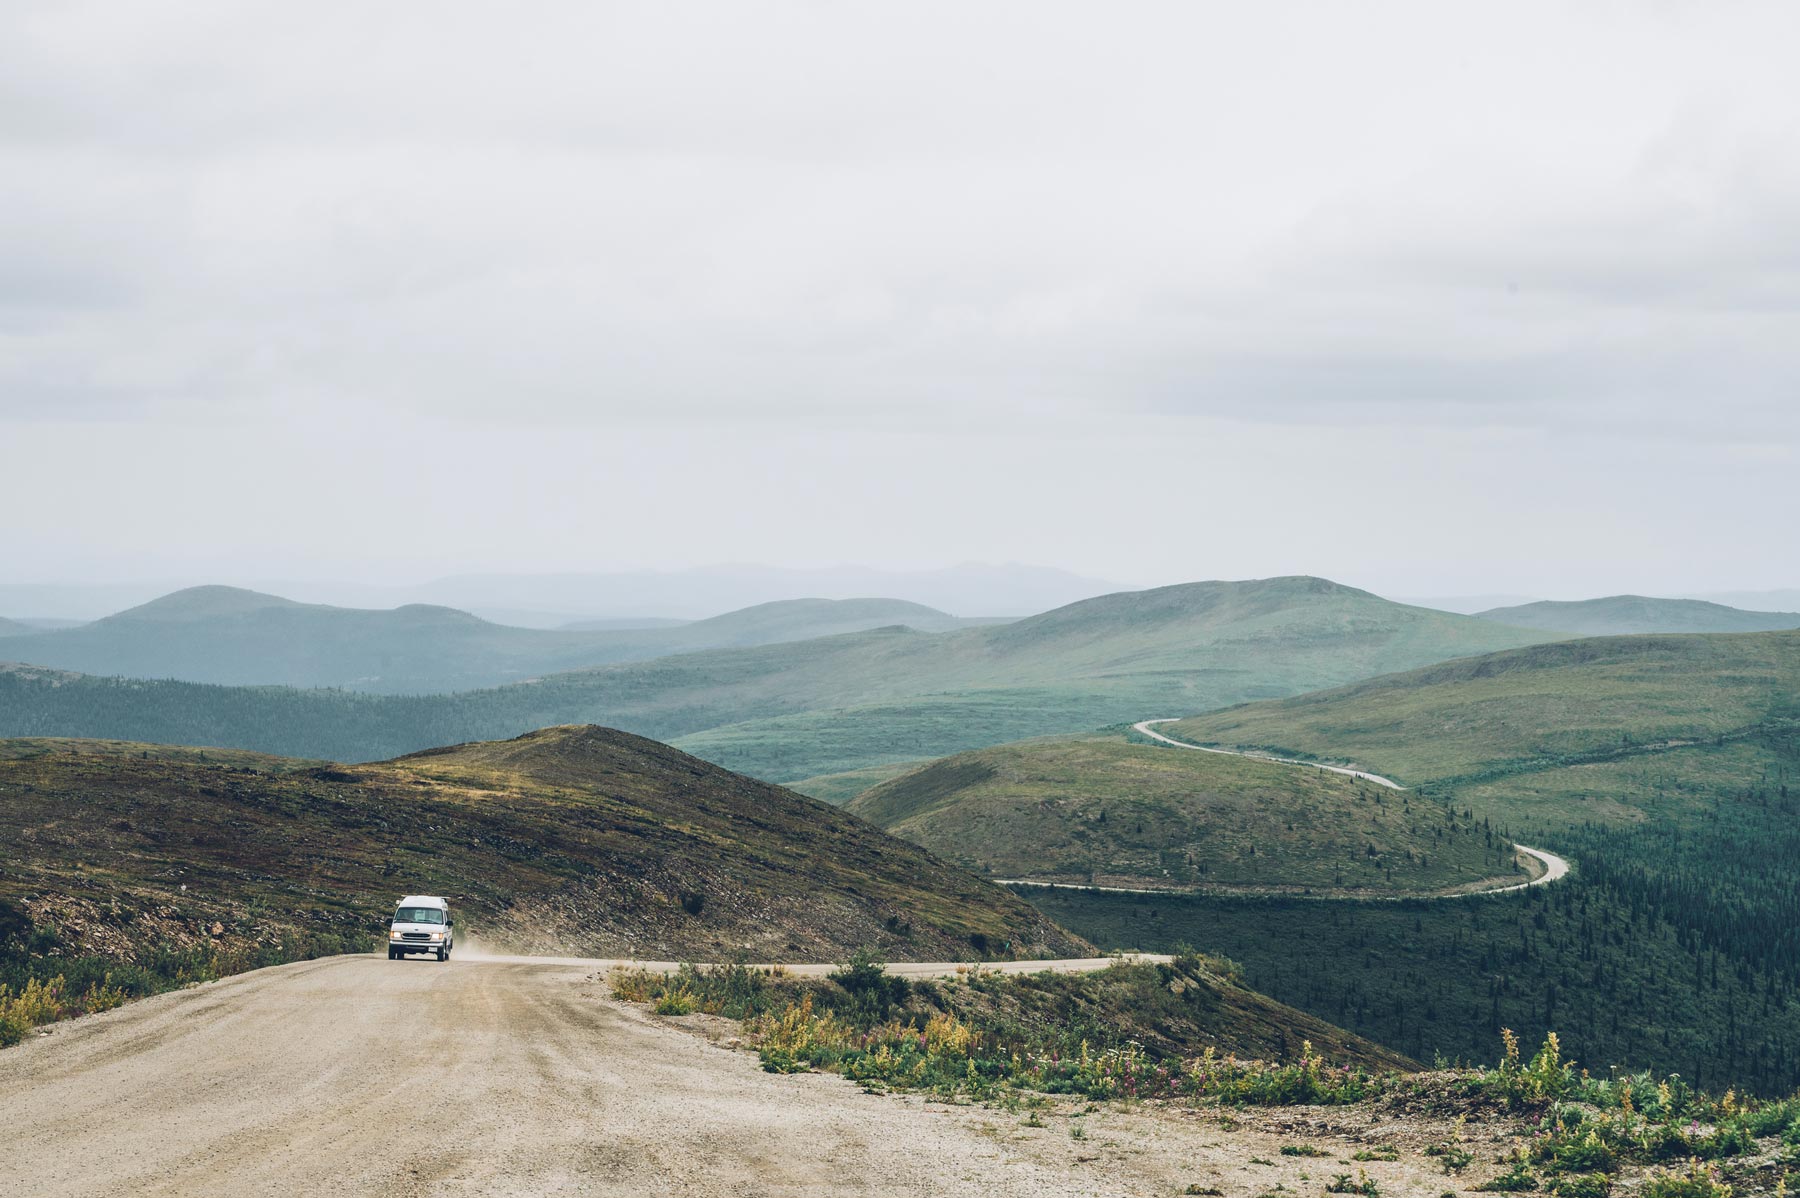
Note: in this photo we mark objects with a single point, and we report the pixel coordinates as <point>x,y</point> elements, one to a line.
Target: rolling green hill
<point>1666,768</point>
<point>798,710</point>
<point>567,840</point>
<point>1621,615</point>
<point>1588,705</point>
<point>1104,811</point>
<point>236,637</point>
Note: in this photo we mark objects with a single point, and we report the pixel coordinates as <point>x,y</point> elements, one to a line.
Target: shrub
<point>734,991</point>
<point>678,1001</point>
<point>1581,1185</point>
<point>866,979</point>
<point>1364,1185</point>
<point>1697,1181</point>
<point>1516,1180</point>
<point>1452,1158</point>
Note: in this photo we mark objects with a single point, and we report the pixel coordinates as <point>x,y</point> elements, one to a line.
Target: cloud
<point>856,220</point>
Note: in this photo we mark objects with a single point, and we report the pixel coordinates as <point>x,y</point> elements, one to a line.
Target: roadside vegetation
<point>1565,1131</point>
<point>37,987</point>
<point>1124,1030</point>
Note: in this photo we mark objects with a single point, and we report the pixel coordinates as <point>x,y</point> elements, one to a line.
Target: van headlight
<point>393,935</point>
<point>437,935</point>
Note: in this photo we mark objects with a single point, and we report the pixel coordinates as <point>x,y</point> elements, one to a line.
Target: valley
<point>1664,768</point>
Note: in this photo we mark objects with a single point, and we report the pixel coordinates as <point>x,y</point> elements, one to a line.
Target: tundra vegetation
<point>1667,768</point>
<point>1571,1133</point>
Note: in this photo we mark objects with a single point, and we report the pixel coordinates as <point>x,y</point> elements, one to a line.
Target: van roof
<point>423,900</point>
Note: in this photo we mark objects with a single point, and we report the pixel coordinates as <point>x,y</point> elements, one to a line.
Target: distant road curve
<point>1555,867</point>
<point>1143,726</point>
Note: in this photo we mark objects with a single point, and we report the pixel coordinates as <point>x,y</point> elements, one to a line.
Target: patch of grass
<point>1302,1150</point>
<point>1696,1181</point>
<point>1581,1185</point>
<point>1364,1185</point>
<point>1451,1157</point>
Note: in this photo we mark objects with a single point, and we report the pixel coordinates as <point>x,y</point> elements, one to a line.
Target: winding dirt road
<point>1555,867</point>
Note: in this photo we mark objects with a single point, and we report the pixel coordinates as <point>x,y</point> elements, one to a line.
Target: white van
<point>422,924</point>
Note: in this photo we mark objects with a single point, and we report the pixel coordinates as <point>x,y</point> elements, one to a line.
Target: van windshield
<point>418,915</point>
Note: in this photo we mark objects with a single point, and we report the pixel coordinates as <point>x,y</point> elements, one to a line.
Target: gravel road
<point>361,1076</point>
<point>356,1075</point>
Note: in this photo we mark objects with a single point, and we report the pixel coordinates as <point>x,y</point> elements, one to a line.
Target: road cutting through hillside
<point>1143,726</point>
<point>1555,867</point>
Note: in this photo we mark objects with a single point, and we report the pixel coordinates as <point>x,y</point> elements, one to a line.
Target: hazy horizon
<point>546,601</point>
<point>1425,299</point>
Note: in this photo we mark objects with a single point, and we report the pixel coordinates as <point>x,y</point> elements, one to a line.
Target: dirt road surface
<point>360,1076</point>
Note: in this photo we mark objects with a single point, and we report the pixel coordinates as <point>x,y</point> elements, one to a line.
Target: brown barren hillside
<point>570,840</point>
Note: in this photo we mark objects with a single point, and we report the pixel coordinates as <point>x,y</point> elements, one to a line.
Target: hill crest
<point>1624,615</point>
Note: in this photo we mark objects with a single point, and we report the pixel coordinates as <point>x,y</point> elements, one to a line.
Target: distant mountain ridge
<point>799,709</point>
<point>232,636</point>
<point>1622,615</point>
<point>14,628</point>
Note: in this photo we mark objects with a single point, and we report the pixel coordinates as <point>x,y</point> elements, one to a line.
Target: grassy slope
<point>1103,810</point>
<point>1547,706</point>
<point>234,637</point>
<point>570,839</point>
<point>1625,615</point>
<point>838,789</point>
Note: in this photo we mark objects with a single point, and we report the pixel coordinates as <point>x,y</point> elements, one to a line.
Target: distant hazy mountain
<point>641,597</point>
<point>14,628</point>
<point>1618,615</point>
<point>966,590</point>
<point>616,624</point>
<point>1466,605</point>
<point>800,709</point>
<point>238,637</point>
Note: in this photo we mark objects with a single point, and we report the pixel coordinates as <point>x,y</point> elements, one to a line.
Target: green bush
<point>1581,1185</point>
<point>1697,1181</point>
<point>873,991</point>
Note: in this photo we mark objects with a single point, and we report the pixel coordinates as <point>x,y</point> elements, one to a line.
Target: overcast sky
<point>1430,298</point>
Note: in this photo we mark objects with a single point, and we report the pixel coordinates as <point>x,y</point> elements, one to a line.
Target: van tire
<point>392,954</point>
